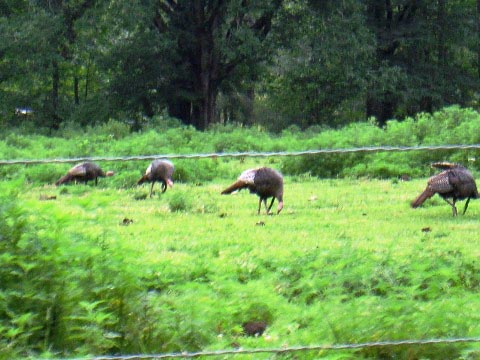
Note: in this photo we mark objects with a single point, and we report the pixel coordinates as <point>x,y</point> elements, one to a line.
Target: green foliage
<point>323,70</point>
<point>271,64</point>
<point>452,125</point>
<point>91,112</point>
<point>449,126</point>
<point>30,280</point>
<point>179,202</point>
<point>52,283</point>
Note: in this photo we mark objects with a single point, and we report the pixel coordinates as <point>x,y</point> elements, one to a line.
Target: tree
<point>394,57</point>
<point>67,14</point>
<point>418,66</point>
<point>180,54</point>
<point>322,70</point>
<point>39,42</point>
<point>213,42</point>
<point>301,62</point>
<point>28,51</point>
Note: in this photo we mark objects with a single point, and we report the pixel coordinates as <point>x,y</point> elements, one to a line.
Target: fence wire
<point>283,350</point>
<point>367,149</point>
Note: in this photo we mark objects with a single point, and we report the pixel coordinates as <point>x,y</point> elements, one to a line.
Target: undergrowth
<point>450,126</point>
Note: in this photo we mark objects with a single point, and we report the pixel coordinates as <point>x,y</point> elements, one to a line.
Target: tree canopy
<point>274,63</point>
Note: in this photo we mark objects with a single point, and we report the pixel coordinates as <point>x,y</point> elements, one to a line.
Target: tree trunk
<point>381,107</point>
<point>442,49</point>
<point>70,16</point>
<point>55,85</point>
<point>147,106</point>
<point>55,92</point>
<point>203,113</point>
<point>87,79</point>
<point>250,100</point>
<point>76,90</point>
<point>181,109</point>
<point>379,103</point>
<point>205,83</point>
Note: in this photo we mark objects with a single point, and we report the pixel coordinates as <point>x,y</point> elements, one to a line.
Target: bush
<point>57,293</point>
<point>450,126</point>
<point>111,130</point>
<point>29,306</point>
<point>179,202</point>
<point>94,108</point>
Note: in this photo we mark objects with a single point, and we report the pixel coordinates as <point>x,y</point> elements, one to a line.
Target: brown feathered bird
<point>254,328</point>
<point>84,172</point>
<point>161,171</point>
<point>265,182</point>
<point>454,182</point>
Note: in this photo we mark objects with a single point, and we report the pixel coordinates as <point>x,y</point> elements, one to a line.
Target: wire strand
<point>367,149</point>
<point>283,350</point>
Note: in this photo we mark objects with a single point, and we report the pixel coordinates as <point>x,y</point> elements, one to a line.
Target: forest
<point>268,63</point>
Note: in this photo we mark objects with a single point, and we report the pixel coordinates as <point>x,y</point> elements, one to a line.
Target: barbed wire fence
<point>285,350</point>
<point>366,149</point>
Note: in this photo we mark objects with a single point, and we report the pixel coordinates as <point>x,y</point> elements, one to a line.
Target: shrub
<point>30,281</point>
<point>112,130</point>
<point>449,126</point>
<point>179,202</point>
<point>96,108</point>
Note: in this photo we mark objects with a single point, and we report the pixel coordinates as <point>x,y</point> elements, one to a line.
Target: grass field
<point>347,261</point>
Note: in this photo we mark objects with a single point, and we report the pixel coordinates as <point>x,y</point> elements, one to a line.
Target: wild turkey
<point>161,171</point>
<point>265,182</point>
<point>84,172</point>
<point>454,182</point>
<point>254,328</point>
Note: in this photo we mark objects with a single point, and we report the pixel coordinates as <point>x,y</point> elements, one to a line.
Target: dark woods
<point>274,64</point>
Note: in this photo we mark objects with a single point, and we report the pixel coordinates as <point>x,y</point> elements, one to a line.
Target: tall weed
<point>31,278</point>
<point>451,125</point>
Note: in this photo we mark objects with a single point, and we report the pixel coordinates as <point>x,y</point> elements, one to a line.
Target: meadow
<point>347,261</point>
<point>107,270</point>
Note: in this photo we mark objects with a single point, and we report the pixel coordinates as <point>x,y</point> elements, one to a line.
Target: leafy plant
<point>179,202</point>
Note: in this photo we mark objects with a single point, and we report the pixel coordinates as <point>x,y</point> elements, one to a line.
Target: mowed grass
<point>346,261</point>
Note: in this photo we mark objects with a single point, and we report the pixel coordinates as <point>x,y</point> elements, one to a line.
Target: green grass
<point>347,261</point>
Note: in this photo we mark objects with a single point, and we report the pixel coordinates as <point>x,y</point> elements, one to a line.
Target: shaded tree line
<point>274,63</point>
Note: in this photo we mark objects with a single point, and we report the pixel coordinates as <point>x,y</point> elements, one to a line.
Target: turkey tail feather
<point>444,165</point>
<point>422,197</point>
<point>239,184</point>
